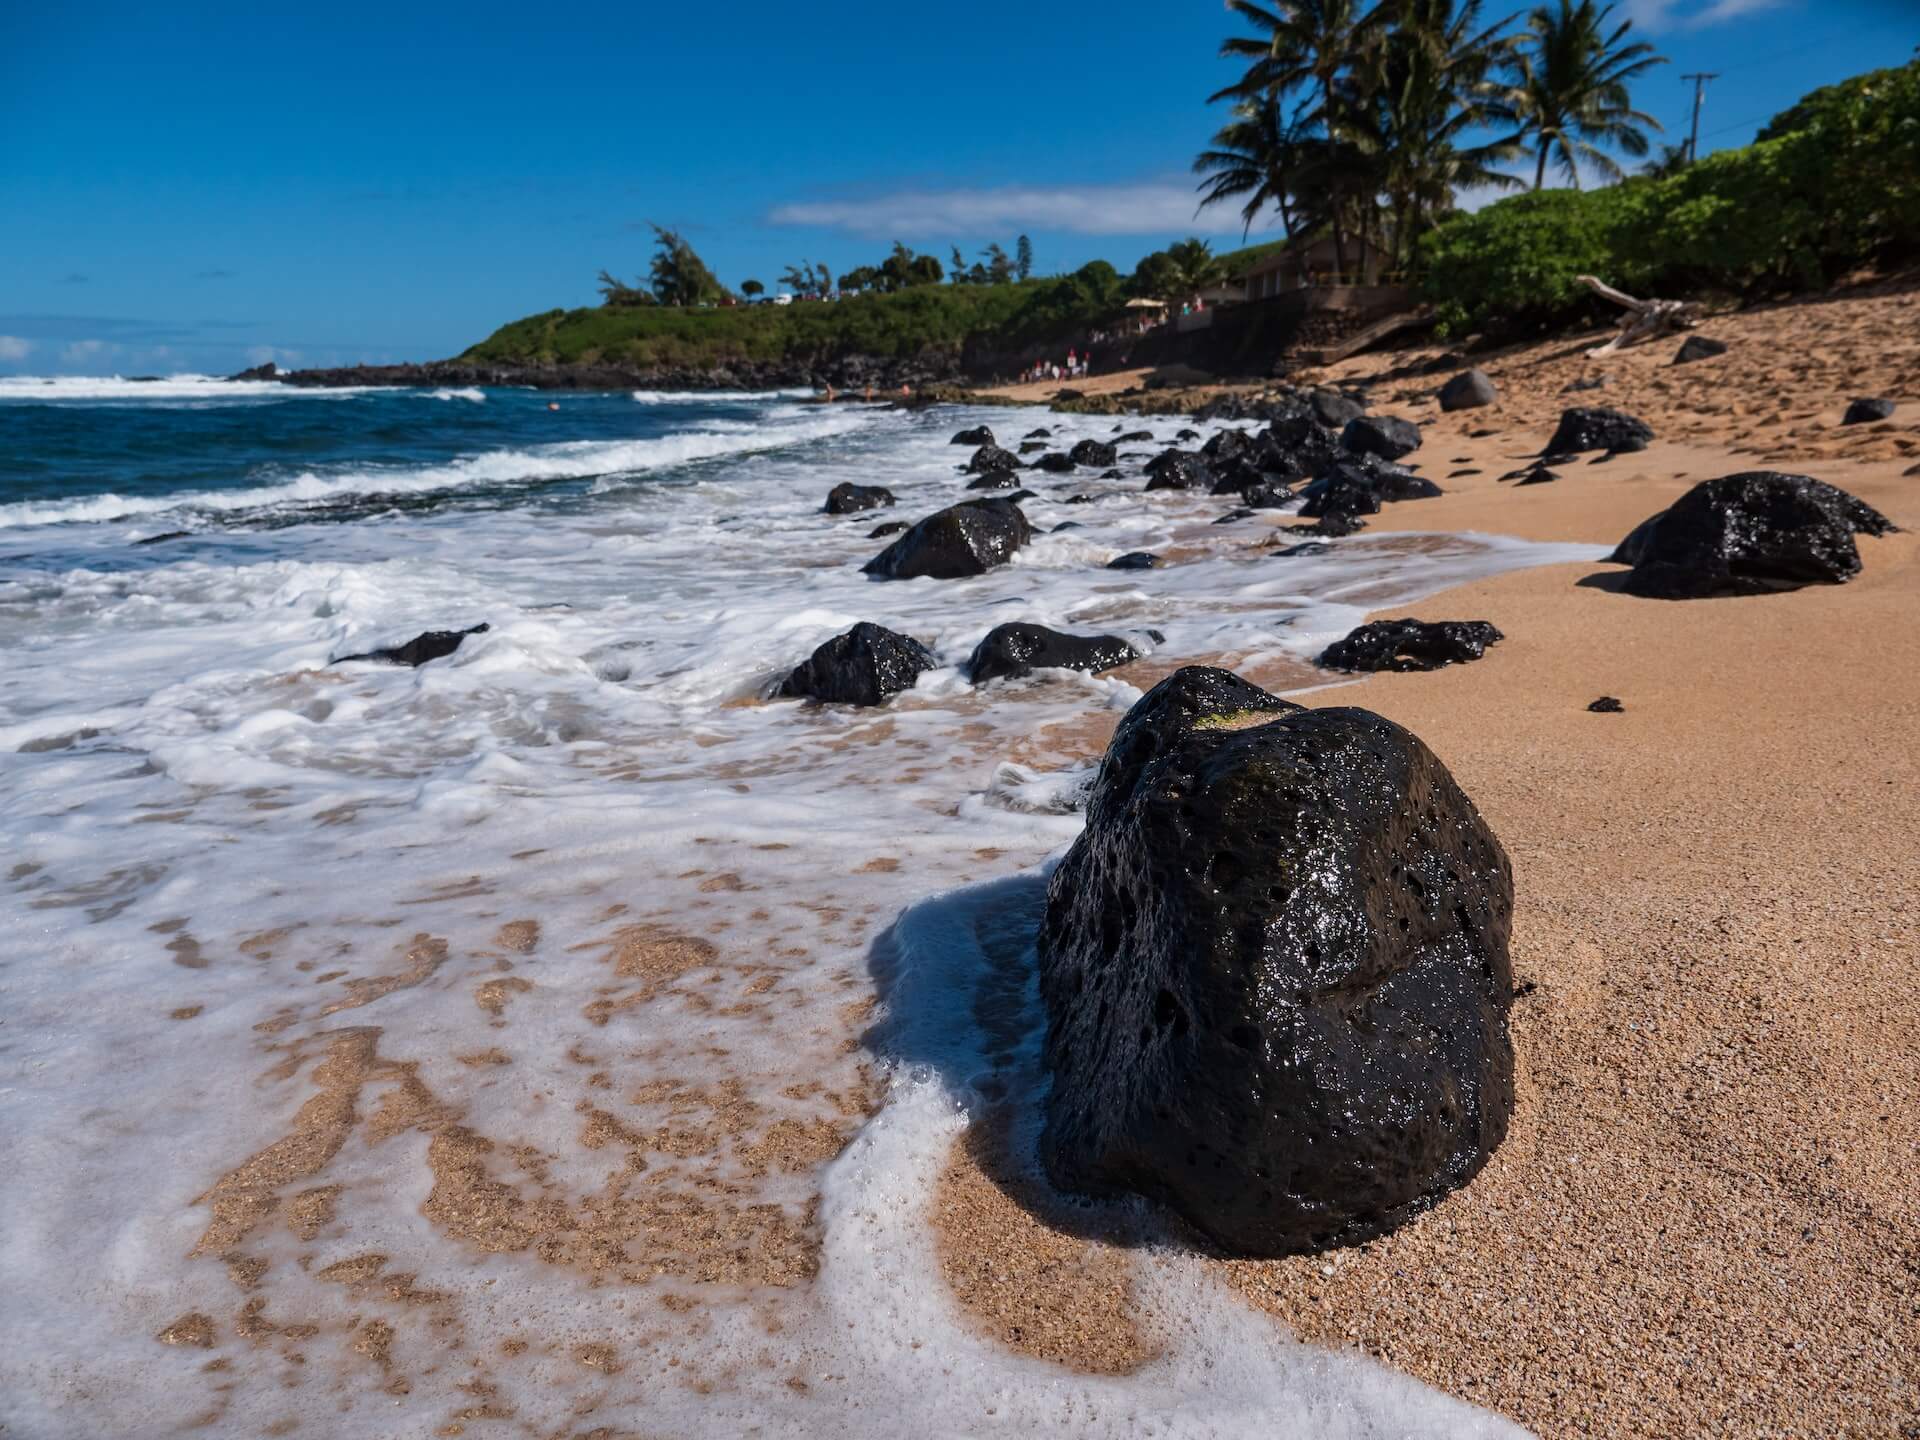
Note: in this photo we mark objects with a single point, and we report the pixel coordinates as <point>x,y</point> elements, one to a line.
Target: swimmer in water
<point>553,404</point>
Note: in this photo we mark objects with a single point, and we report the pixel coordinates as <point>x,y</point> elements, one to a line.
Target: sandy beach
<point>1704,1221</point>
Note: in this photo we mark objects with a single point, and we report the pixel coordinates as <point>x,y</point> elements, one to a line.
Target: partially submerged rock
<point>1178,470</point>
<point>891,527</point>
<point>1057,462</point>
<point>995,480</point>
<point>1093,452</point>
<point>1275,972</point>
<point>429,645</point>
<point>1010,651</point>
<point>978,435</point>
<point>1593,427</point>
<point>1387,436</point>
<point>1468,390</point>
<point>991,457</point>
<point>1135,560</point>
<point>1410,645</point>
<point>1748,534</point>
<point>965,539</point>
<point>862,667</point>
<point>846,498</point>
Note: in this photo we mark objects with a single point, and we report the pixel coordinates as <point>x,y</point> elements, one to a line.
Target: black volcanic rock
<point>1010,651</point>
<point>1186,435</point>
<point>430,645</point>
<point>1333,525</point>
<point>989,458</point>
<point>979,435</point>
<point>1864,412</point>
<point>1387,436</point>
<point>1303,549</point>
<point>1178,470</point>
<point>1334,410</point>
<point>1055,462</point>
<point>1410,645</point>
<point>1698,347</point>
<point>1029,447</point>
<point>1133,437</point>
<point>965,539</point>
<point>1135,560</point>
<point>1748,534</point>
<point>846,498</point>
<point>1346,491</point>
<point>862,667</point>
<point>1093,452</point>
<point>1038,433</point>
<point>1275,972</point>
<point>1231,477</point>
<point>891,527</point>
<point>1606,705</point>
<point>1468,390</point>
<point>1266,497</point>
<point>1227,445</point>
<point>1596,428</point>
<point>995,480</point>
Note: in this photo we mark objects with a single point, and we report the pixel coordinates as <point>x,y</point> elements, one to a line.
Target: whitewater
<point>563,1034</point>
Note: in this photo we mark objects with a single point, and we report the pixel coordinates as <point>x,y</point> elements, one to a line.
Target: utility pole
<point>1699,94</point>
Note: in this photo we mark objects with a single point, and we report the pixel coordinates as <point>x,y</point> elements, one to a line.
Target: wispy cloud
<point>12,347</point>
<point>1690,14</point>
<point>1150,208</point>
<point>82,353</point>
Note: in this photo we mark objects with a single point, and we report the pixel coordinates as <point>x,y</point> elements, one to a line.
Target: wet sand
<point>1706,1220</point>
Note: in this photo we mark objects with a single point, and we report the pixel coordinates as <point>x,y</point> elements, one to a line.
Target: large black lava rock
<point>430,645</point>
<point>1056,462</point>
<point>1178,470</point>
<point>1468,390</point>
<point>1410,645</point>
<point>1864,412</point>
<point>1594,427</point>
<point>1093,452</point>
<point>1010,651</point>
<point>862,667</point>
<point>1387,436</point>
<point>990,457</point>
<point>1135,560</point>
<point>1275,972</point>
<point>995,480</point>
<point>965,539</point>
<point>1333,409</point>
<point>1227,444</point>
<point>1746,534</point>
<point>979,435</point>
<point>846,498</point>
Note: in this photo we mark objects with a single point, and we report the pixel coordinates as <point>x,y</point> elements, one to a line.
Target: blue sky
<point>196,187</point>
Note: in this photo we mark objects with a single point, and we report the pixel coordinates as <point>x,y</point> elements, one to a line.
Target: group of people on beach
<point>1075,368</point>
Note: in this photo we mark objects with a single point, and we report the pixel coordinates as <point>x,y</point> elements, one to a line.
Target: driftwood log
<point>1644,318</point>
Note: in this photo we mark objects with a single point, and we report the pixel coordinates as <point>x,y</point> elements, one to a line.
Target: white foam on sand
<point>202,811</point>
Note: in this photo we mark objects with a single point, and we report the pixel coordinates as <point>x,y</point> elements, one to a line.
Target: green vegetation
<point>1834,183</point>
<point>898,324</point>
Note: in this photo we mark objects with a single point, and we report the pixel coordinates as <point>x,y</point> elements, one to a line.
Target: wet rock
<point>1066,525</point>
<point>1227,444</point>
<point>1595,428</point>
<point>1387,436</point>
<point>1748,534</point>
<point>1304,548</point>
<point>1275,972</point>
<point>1134,437</point>
<point>892,527</point>
<point>1410,645</point>
<point>1863,412</point>
<point>1092,452</point>
<point>991,457</point>
<point>862,667</point>
<point>1697,347</point>
<point>1606,705</point>
<point>1178,470</point>
<point>430,645</point>
<point>1346,491</point>
<point>995,480</point>
<point>1111,475</point>
<point>1038,433</point>
<point>1055,462</point>
<point>1184,436</point>
<point>1135,560</point>
<point>965,539</point>
<point>1239,512</point>
<point>1231,477</point>
<point>1333,526</point>
<point>1266,497</point>
<point>1010,651</point>
<point>1333,409</point>
<point>1019,495</point>
<point>1468,390</point>
<point>979,435</point>
<point>847,498</point>
<point>1029,447</point>
<point>166,535</point>
<point>1078,500</point>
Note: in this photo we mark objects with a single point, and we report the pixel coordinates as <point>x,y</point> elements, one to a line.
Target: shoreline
<point>1703,1217</point>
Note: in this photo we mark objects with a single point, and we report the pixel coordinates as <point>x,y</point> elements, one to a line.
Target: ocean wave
<point>719,397</point>
<point>568,460</point>
<point>470,392</point>
<point>169,387</point>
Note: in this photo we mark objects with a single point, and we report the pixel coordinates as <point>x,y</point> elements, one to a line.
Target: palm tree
<point>1671,160</point>
<point>1430,89</point>
<point>1192,266</point>
<point>1308,44</point>
<point>1570,83</point>
<point>1255,156</point>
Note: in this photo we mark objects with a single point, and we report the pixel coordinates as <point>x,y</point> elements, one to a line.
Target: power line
<point>1699,80</point>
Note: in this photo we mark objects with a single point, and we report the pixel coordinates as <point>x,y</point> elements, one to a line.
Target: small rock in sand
<point>1410,645</point>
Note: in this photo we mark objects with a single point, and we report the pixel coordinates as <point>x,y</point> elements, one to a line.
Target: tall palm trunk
<point>1540,170</point>
<point>1337,185</point>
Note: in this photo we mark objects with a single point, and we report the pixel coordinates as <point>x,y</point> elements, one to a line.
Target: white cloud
<point>86,352</point>
<point>1689,14</point>
<point>1143,209</point>
<point>261,354</point>
<point>12,347</point>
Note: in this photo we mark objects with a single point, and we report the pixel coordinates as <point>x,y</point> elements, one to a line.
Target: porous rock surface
<point>1274,967</point>
<point>965,539</point>
<point>1411,645</point>
<point>1010,651</point>
<point>862,667</point>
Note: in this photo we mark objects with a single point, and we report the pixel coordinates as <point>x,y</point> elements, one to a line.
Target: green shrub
<point>1836,184</point>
